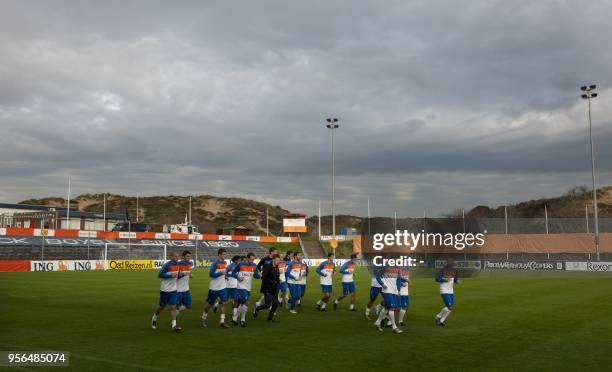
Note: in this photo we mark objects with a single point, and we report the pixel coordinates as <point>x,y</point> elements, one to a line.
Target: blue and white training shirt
<point>168,280</point>
<point>217,275</point>
<point>182,283</point>
<point>390,278</point>
<point>294,272</point>
<point>326,271</point>
<point>247,271</point>
<point>304,273</point>
<point>405,278</point>
<point>230,280</point>
<point>447,277</point>
<point>347,271</point>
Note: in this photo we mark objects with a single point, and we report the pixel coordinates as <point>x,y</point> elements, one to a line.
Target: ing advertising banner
<point>67,265</point>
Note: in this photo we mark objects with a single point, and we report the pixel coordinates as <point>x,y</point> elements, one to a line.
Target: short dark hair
<point>272,249</point>
<point>296,253</point>
<point>353,255</point>
<point>185,253</point>
<point>222,250</point>
<point>235,258</point>
<point>250,254</point>
<point>242,257</point>
<point>329,255</point>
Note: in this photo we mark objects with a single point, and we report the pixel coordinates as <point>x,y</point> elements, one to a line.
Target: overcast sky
<point>442,104</point>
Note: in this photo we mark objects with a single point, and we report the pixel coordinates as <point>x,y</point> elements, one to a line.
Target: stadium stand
<point>312,249</point>
<point>120,250</point>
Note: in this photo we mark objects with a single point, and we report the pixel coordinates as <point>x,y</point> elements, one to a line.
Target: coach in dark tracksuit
<point>270,281</point>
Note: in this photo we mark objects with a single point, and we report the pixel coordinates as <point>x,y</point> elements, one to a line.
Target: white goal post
<point>134,251</point>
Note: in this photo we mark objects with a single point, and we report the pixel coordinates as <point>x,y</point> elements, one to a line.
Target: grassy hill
<point>208,212</point>
<point>570,204</point>
<point>211,212</point>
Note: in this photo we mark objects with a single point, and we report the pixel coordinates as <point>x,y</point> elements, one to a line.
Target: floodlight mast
<point>332,123</point>
<point>589,93</point>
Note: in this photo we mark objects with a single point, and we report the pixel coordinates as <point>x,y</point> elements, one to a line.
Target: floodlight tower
<point>588,94</point>
<point>332,123</point>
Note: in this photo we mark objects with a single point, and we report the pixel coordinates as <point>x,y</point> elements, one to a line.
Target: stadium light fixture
<point>588,96</point>
<point>332,123</point>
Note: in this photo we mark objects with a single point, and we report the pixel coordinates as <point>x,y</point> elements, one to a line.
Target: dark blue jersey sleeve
<point>164,273</point>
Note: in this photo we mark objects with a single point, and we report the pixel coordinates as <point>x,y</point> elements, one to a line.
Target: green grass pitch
<point>500,323</point>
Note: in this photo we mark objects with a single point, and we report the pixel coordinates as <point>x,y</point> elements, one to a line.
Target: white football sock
<point>323,305</point>
<point>319,302</point>
<point>336,301</point>
<point>401,315</point>
<point>154,318</point>
<point>378,308</point>
<point>392,318</point>
<point>222,319</point>
<point>439,315</point>
<point>174,323</point>
<point>382,315</point>
<point>367,311</point>
<point>182,307</point>
<point>235,314</point>
<point>243,313</point>
<point>351,306</point>
<point>443,318</point>
<point>204,315</point>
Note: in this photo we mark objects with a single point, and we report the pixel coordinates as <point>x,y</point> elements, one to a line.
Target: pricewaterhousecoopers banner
<point>89,242</point>
<point>522,265</point>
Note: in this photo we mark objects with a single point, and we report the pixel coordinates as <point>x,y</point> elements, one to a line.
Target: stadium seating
<point>115,252</point>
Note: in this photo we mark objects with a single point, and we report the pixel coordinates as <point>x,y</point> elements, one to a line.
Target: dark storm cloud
<point>441,105</point>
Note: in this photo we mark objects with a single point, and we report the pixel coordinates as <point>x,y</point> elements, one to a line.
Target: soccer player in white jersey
<point>167,291</point>
<point>390,281</point>
<point>375,290</point>
<point>232,287</point>
<point>447,277</point>
<point>245,272</point>
<point>348,282</point>
<point>303,280</point>
<point>326,271</point>
<point>182,283</point>
<point>283,290</point>
<point>217,288</point>
<point>404,297</point>
<point>293,275</point>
